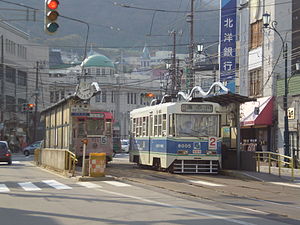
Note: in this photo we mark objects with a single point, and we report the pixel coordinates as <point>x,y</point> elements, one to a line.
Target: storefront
<point>256,124</point>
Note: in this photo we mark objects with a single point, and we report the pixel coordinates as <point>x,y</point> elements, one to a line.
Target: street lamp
<point>266,23</point>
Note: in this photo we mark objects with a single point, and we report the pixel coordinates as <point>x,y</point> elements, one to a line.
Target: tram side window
<point>164,125</point>
<point>171,125</point>
<point>133,127</point>
<point>144,130</point>
<point>108,128</point>
<point>151,126</point>
<point>155,125</point>
<point>140,126</point>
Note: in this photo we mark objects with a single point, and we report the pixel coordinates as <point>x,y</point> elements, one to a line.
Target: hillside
<point>114,27</point>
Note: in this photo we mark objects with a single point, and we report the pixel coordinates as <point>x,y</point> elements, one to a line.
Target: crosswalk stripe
<point>28,186</point>
<point>16,162</point>
<point>56,184</point>
<point>89,185</point>
<point>116,183</point>
<point>206,183</point>
<point>4,188</point>
<point>287,184</point>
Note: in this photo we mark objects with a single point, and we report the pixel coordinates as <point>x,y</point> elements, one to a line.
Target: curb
<point>239,174</point>
<point>104,178</point>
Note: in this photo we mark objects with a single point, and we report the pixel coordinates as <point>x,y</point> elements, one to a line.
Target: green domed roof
<point>97,61</point>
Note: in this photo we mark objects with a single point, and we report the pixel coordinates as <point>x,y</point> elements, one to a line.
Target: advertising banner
<point>227,50</point>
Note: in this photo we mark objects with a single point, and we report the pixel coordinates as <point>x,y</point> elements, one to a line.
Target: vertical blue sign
<point>228,44</point>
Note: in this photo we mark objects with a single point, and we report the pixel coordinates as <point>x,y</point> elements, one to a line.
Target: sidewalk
<point>264,175</point>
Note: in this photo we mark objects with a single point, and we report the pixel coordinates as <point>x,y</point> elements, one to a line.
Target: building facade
<point>261,66</point>
<point>22,75</point>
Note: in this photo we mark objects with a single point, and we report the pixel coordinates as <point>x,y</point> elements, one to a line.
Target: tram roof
<point>228,98</point>
<point>64,100</point>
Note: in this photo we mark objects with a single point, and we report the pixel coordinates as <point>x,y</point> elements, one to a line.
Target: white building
<point>120,93</point>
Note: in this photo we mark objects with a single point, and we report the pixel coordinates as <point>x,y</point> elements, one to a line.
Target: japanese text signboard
<point>228,43</point>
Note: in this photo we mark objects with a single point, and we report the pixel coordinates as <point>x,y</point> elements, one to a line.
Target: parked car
<point>125,146</point>
<point>5,154</point>
<point>30,148</point>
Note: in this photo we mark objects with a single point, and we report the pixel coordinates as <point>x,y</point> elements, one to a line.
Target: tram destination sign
<point>203,108</point>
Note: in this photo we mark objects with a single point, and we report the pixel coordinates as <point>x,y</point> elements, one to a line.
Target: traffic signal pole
<point>36,101</point>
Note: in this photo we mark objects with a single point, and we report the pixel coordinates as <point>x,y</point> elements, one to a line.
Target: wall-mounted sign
<point>291,113</point>
<point>228,43</point>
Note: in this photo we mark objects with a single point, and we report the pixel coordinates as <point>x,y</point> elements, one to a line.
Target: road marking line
<point>16,162</point>
<point>286,184</point>
<point>89,185</point>
<point>206,183</point>
<point>117,184</point>
<point>56,184</point>
<point>4,188</point>
<point>28,186</point>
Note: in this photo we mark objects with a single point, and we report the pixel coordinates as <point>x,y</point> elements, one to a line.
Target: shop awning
<point>259,112</point>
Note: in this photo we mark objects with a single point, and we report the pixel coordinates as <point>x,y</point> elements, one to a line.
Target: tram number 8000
<point>184,146</point>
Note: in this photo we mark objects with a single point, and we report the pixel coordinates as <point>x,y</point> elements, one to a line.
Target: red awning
<point>259,112</point>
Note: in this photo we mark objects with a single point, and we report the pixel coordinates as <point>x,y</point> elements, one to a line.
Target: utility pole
<point>2,86</point>
<point>173,65</point>
<point>36,100</point>
<point>190,19</point>
<point>285,103</point>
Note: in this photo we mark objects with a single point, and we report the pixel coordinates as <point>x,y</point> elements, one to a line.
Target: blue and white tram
<point>180,137</point>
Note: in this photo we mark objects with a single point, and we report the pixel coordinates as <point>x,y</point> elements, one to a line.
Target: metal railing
<point>71,161</point>
<point>281,161</point>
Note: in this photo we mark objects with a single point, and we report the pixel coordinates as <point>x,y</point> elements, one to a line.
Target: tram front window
<point>95,127</point>
<point>196,125</point>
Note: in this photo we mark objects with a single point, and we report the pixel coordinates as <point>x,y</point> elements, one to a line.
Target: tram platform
<point>264,175</point>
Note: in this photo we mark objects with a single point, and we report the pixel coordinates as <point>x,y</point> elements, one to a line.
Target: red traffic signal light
<point>52,4</point>
<point>30,106</point>
<point>150,95</point>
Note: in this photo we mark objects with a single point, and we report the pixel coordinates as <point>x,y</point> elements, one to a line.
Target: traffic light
<point>24,107</point>
<point>51,15</point>
<point>149,95</point>
<point>30,107</point>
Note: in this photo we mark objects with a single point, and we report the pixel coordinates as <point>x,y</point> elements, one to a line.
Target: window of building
<point>56,96</point>
<point>112,96</point>
<point>52,98</point>
<point>62,94</point>
<point>97,71</point>
<point>255,83</point>
<point>103,71</point>
<point>134,98</point>
<point>128,98</point>
<point>141,99</point>
<point>104,96</point>
<point>131,98</point>
<point>98,97</point>
<point>256,34</point>
<point>10,74</point>
<point>22,78</point>
<point>10,103</point>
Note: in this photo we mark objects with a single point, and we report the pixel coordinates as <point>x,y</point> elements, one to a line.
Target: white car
<point>125,146</point>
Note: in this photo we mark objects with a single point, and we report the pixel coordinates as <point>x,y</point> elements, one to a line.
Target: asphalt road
<point>33,196</point>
